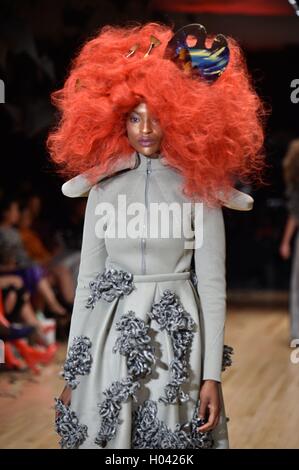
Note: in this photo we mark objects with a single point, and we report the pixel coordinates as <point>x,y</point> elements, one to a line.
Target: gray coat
<point>145,332</point>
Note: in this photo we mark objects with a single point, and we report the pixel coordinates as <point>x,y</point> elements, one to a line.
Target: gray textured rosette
<point>172,317</point>
<point>227,359</point>
<point>78,360</point>
<point>110,408</point>
<point>151,433</point>
<point>134,342</point>
<point>67,425</point>
<point>109,285</point>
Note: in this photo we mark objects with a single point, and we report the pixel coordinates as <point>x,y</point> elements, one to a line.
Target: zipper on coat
<point>143,240</point>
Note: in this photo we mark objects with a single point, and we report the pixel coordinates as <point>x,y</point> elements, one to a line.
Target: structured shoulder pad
<point>80,185</point>
<point>237,200</point>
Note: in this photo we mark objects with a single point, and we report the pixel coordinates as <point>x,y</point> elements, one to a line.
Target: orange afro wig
<point>212,133</point>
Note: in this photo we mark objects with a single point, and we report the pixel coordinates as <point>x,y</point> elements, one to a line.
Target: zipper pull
<point>149,165</point>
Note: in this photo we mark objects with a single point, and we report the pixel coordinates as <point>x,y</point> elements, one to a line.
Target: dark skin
<point>141,124</point>
<point>66,394</point>
<point>210,406</point>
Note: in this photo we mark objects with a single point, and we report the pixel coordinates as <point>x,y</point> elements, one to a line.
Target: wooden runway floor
<point>260,389</point>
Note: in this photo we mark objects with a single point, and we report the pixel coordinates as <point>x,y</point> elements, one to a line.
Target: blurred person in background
<point>15,260</point>
<point>59,274</point>
<point>68,237</point>
<point>291,176</point>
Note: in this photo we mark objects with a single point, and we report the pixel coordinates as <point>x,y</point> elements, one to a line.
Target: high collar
<point>153,163</point>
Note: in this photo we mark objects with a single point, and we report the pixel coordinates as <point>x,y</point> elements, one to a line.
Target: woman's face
<point>12,215</point>
<point>144,131</point>
<point>25,218</point>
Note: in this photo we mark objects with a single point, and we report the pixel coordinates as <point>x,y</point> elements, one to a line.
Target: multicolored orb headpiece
<point>187,49</point>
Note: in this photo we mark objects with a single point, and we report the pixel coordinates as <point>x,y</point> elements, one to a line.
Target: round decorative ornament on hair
<point>188,50</point>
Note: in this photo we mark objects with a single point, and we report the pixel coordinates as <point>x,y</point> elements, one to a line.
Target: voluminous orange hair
<point>213,133</point>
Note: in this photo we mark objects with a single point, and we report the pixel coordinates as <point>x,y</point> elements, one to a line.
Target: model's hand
<point>210,405</point>
<point>285,250</point>
<point>65,397</point>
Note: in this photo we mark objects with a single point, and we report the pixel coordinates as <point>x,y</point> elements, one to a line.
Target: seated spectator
<point>17,306</point>
<point>15,260</point>
<point>59,274</point>
<point>68,237</point>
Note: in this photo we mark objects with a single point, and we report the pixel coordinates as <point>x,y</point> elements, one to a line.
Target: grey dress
<point>145,332</point>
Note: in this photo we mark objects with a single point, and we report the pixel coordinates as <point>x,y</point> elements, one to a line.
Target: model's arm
<point>92,262</point>
<point>211,286</point>
<point>290,228</point>
<point>93,257</point>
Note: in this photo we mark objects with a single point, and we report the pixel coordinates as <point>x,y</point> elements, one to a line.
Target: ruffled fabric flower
<point>227,359</point>
<point>67,425</point>
<point>171,316</point>
<point>151,433</point>
<point>109,285</point>
<point>78,361</point>
<point>110,408</point>
<point>134,343</point>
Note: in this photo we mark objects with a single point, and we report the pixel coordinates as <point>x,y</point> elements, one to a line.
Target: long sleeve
<point>92,262</point>
<point>209,259</point>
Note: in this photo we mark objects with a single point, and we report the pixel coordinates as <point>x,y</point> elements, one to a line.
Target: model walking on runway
<point>157,127</point>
